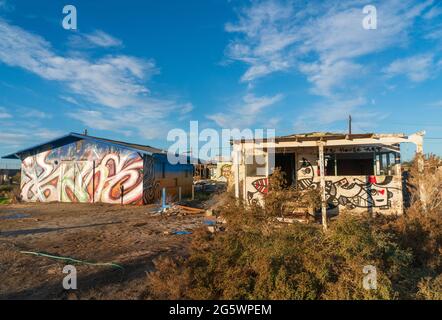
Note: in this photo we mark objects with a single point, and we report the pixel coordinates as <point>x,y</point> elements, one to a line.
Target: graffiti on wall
<point>151,187</point>
<point>261,187</point>
<point>83,172</point>
<point>350,192</point>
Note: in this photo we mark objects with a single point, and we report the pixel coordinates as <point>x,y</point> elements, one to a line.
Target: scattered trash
<point>40,254</point>
<point>291,220</point>
<point>212,229</point>
<point>210,222</point>
<point>181,232</point>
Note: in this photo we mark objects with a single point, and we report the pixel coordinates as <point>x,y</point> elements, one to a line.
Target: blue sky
<point>133,69</point>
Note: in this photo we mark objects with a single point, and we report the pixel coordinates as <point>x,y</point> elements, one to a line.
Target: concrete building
<point>82,168</point>
<point>221,169</point>
<point>357,172</point>
<point>6,175</point>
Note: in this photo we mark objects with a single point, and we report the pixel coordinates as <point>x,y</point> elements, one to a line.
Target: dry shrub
<point>15,194</point>
<point>281,200</point>
<point>254,258</point>
<point>430,288</point>
<point>425,187</point>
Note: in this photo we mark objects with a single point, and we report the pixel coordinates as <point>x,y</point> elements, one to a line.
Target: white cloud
<point>416,68</point>
<point>4,114</point>
<point>323,116</point>
<point>34,113</point>
<point>69,99</point>
<point>14,138</point>
<point>112,86</point>
<point>113,81</point>
<point>98,38</point>
<point>102,39</point>
<point>322,40</point>
<point>433,13</point>
<point>147,120</point>
<point>246,113</point>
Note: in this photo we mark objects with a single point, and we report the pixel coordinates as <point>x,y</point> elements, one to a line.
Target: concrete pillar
<point>398,163</point>
<point>236,158</point>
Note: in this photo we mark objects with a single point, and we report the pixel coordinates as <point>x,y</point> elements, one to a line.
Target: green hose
<point>39,254</point>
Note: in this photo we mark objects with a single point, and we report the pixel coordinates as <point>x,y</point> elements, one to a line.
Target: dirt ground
<point>129,236</point>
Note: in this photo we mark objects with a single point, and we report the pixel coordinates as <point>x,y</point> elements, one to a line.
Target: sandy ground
<point>130,236</point>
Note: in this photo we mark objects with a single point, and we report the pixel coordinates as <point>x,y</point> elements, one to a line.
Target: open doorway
<point>286,162</point>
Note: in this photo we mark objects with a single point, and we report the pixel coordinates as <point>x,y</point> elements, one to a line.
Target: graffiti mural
<point>351,192</point>
<point>261,186</point>
<point>226,172</point>
<point>85,172</point>
<point>151,188</point>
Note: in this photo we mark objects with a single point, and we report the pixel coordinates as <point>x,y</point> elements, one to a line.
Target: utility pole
<point>349,124</point>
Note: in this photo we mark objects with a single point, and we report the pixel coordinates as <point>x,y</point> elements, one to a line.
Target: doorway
<point>286,162</point>
<point>73,176</point>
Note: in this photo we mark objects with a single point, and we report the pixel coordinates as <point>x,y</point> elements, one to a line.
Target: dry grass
<point>258,259</point>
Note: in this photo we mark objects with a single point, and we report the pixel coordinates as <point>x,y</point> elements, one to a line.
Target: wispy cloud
<point>326,42</point>
<point>322,116</point>
<point>33,113</point>
<point>416,68</point>
<point>98,38</point>
<point>246,113</point>
<point>322,40</point>
<point>4,114</point>
<point>113,86</point>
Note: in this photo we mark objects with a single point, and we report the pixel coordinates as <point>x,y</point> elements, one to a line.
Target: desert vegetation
<point>258,258</point>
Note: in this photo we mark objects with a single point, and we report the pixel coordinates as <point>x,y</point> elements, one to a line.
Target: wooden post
<point>122,194</point>
<point>322,185</point>
<point>193,192</point>
<point>93,181</point>
<point>179,194</point>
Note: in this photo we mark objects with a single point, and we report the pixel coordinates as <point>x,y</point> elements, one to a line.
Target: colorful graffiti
<point>350,192</point>
<point>225,173</point>
<point>261,186</point>
<point>85,172</point>
<point>151,187</point>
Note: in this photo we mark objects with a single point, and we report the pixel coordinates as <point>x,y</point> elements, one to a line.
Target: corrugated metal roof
<point>73,137</point>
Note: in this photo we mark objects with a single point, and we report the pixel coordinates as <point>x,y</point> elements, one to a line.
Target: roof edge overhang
<point>66,139</point>
<point>335,140</point>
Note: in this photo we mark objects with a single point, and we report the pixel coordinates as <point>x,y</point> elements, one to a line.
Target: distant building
<point>6,175</point>
<point>82,168</point>
<point>360,172</point>
<point>221,170</point>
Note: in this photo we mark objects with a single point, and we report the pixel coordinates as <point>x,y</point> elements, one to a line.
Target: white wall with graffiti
<point>83,172</point>
<point>357,193</point>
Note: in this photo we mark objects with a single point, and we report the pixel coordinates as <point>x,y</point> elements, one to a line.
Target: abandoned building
<point>359,172</point>
<point>82,168</point>
<point>221,169</point>
<point>7,175</point>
